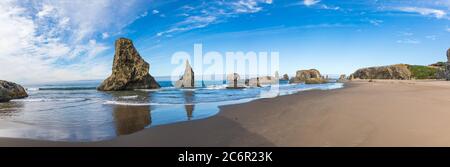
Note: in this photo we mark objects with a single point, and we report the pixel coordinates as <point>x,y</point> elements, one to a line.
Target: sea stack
<point>187,80</point>
<point>233,81</point>
<point>129,70</point>
<point>311,76</point>
<point>447,66</point>
<point>10,90</point>
<point>285,77</point>
<point>277,76</point>
<point>342,78</point>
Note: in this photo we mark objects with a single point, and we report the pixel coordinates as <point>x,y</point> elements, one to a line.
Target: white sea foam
<point>48,99</point>
<point>215,87</point>
<point>128,103</point>
<point>129,97</point>
<point>148,90</point>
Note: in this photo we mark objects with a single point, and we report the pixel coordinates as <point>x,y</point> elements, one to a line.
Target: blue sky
<point>72,40</point>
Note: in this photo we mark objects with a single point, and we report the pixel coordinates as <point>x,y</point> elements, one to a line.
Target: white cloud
<point>213,12</point>
<point>155,11</point>
<point>105,35</point>
<point>424,11</point>
<point>310,2</point>
<point>43,41</point>
<point>376,22</point>
<point>46,10</point>
<point>330,7</point>
<point>431,37</point>
<point>408,41</point>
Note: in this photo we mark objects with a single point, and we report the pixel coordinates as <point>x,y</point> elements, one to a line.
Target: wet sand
<point>379,113</point>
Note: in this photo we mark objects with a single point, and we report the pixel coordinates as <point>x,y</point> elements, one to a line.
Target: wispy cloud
<point>213,12</point>
<point>431,37</point>
<point>376,22</point>
<point>310,2</point>
<point>408,41</point>
<point>424,11</point>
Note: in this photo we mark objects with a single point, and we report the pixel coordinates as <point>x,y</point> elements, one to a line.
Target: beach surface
<point>378,113</point>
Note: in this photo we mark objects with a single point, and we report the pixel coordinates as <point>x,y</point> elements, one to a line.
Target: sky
<point>50,40</point>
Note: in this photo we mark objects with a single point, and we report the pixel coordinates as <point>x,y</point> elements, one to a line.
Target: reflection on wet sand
<point>10,109</point>
<point>129,119</point>
<point>189,104</point>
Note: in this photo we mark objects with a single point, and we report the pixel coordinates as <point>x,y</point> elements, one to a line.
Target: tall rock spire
<point>187,80</point>
<point>129,70</point>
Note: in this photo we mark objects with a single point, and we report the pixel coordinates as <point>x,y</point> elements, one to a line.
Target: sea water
<point>76,111</point>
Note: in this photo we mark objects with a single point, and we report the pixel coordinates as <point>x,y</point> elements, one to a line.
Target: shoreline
<point>379,113</point>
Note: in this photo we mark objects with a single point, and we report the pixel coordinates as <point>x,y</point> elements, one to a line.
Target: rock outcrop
<point>285,77</point>
<point>129,70</point>
<point>252,82</point>
<point>10,90</point>
<point>233,81</point>
<point>398,71</point>
<point>277,76</point>
<point>447,66</point>
<point>187,80</point>
<point>258,81</point>
<point>311,76</point>
<point>342,78</point>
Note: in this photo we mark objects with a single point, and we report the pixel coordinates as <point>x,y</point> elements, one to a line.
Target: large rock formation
<point>311,76</point>
<point>129,70</point>
<point>187,80</point>
<point>447,66</point>
<point>398,71</point>
<point>448,55</point>
<point>342,78</point>
<point>10,90</point>
<point>285,77</point>
<point>258,81</point>
<point>233,81</point>
<point>277,76</point>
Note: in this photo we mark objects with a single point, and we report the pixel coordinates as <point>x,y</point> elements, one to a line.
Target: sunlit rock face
<point>129,70</point>
<point>447,66</point>
<point>397,71</point>
<point>187,80</point>
<point>311,76</point>
<point>234,81</point>
<point>10,90</point>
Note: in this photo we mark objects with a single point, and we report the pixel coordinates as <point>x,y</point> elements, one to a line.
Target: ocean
<point>76,111</point>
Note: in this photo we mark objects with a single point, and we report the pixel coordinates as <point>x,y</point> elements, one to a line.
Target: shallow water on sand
<point>75,111</point>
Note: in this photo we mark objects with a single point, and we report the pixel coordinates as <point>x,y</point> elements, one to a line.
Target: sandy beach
<point>379,113</point>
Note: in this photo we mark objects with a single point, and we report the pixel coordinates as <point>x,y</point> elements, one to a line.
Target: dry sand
<point>379,113</point>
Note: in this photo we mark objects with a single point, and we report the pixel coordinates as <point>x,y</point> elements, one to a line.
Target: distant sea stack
<point>129,70</point>
<point>311,76</point>
<point>258,81</point>
<point>342,78</point>
<point>10,90</point>
<point>233,81</point>
<point>447,66</point>
<point>187,80</point>
<point>285,77</point>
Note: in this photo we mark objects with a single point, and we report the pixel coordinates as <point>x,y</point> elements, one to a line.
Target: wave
<point>215,87</point>
<point>128,97</point>
<point>62,88</point>
<point>125,103</point>
<point>49,100</point>
<point>129,103</point>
